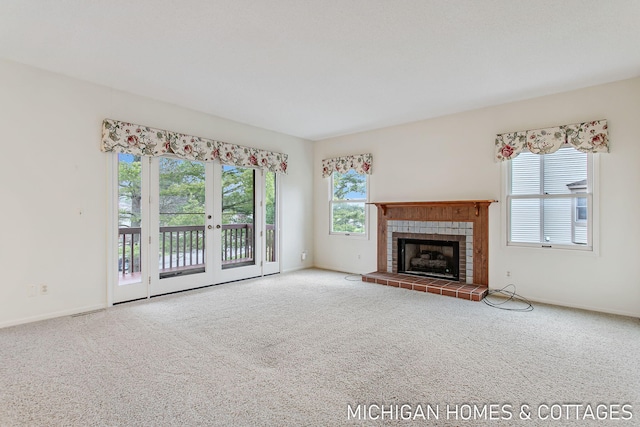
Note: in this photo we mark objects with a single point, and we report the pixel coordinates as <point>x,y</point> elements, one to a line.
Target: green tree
<point>270,197</point>
<point>237,195</point>
<point>182,192</point>
<point>129,192</point>
<point>350,185</point>
<point>349,217</point>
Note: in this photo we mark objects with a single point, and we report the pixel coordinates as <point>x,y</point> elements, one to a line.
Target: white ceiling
<point>321,68</point>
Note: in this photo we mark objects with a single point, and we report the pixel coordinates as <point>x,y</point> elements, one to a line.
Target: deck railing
<point>237,243</point>
<point>182,247</point>
<point>129,250</point>
<point>270,240</point>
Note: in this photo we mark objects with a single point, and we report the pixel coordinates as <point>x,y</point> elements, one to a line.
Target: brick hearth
<point>425,284</point>
<point>465,221</point>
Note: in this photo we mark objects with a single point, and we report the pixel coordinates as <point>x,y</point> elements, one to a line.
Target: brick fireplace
<point>462,225</point>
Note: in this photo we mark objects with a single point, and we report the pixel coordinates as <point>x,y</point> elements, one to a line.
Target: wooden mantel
<point>475,203</point>
<point>475,211</point>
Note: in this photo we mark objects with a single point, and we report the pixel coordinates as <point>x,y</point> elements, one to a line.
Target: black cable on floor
<point>511,297</point>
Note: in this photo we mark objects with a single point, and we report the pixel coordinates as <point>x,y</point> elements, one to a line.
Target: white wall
<point>451,158</point>
<point>54,186</point>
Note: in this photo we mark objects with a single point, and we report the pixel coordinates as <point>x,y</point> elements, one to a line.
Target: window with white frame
<point>348,203</point>
<point>550,199</point>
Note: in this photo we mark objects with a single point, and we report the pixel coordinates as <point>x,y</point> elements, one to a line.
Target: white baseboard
<point>582,307</point>
<point>333,268</point>
<point>53,315</point>
<point>304,267</point>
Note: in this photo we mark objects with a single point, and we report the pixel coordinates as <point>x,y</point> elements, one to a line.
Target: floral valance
<point>361,163</point>
<point>588,137</point>
<point>122,137</point>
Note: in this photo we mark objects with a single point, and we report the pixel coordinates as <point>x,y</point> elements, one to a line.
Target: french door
<point>184,224</point>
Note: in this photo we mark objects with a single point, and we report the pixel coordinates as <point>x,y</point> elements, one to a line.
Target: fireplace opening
<point>431,258</point>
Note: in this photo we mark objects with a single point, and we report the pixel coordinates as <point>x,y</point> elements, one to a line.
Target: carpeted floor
<point>298,348</point>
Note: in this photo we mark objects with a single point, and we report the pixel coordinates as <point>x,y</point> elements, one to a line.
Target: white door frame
<point>138,290</point>
<point>151,284</point>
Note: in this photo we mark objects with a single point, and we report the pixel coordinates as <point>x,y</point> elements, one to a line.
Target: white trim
<point>137,290</point>
<point>505,188</point>
<point>564,304</point>
<point>223,275</point>
<point>551,246</point>
<point>275,266</point>
<point>594,218</point>
<point>592,223</point>
<point>303,267</point>
<point>361,236</point>
<point>112,225</point>
<point>53,315</point>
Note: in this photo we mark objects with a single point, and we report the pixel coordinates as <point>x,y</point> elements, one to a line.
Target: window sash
<point>542,228</point>
<point>349,202</point>
<point>333,201</point>
<point>536,174</point>
<point>536,192</point>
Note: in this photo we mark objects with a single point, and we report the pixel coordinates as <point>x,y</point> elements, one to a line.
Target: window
<point>581,209</point>
<point>550,199</point>
<point>348,198</point>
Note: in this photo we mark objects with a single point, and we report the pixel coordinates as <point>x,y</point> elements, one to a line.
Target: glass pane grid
<point>129,219</point>
<point>349,186</point>
<point>181,201</point>
<point>270,217</point>
<point>548,220</point>
<point>348,217</point>
<point>238,216</point>
<point>547,203</point>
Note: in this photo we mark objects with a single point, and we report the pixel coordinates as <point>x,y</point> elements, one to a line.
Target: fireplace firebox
<point>431,258</point>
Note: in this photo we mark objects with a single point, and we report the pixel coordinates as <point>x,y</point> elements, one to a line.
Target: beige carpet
<point>297,348</point>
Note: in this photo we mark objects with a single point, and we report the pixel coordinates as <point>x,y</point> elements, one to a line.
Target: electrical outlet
<point>44,289</point>
<point>303,256</point>
<point>359,256</point>
<point>508,274</point>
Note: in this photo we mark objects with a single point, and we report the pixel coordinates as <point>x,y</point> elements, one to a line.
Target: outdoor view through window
<point>550,199</point>
<point>349,195</point>
<point>182,214</point>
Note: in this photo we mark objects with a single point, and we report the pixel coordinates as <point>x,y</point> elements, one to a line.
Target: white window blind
<point>544,191</point>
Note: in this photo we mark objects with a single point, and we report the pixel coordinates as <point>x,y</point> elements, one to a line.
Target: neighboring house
<point>580,209</point>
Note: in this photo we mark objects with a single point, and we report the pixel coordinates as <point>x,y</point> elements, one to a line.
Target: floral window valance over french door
<point>122,137</point>
<point>361,163</point>
<point>588,137</point>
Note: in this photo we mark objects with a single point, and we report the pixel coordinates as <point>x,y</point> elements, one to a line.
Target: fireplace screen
<point>432,258</point>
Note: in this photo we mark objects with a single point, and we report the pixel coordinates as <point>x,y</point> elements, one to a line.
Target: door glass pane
<point>129,215</point>
<point>182,216</point>
<point>270,212</point>
<point>238,213</point>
